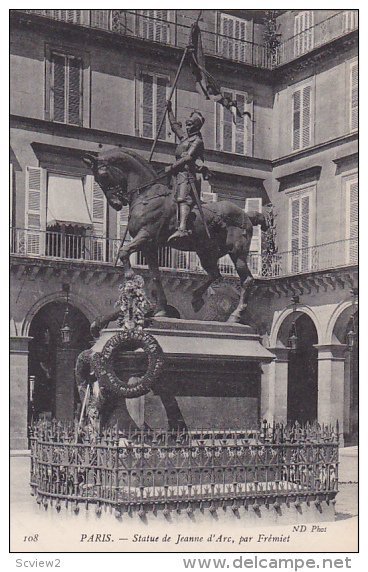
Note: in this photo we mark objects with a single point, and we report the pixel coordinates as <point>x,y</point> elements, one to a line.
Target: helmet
<point>195,121</point>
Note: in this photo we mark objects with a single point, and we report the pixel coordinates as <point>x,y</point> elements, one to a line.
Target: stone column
<point>64,390</point>
<point>331,362</point>
<point>274,383</point>
<point>19,391</point>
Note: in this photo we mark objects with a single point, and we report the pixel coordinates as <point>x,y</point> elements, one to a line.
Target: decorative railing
<point>183,470</point>
<point>162,26</point>
<point>95,249</point>
<point>313,37</point>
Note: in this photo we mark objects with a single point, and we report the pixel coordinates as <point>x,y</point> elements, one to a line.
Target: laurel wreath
<point>122,340</point>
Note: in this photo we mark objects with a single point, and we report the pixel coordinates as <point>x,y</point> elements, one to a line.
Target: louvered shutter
<point>354,96</point>
<point>297,35</point>
<point>249,107</point>
<point>147,105</point>
<point>58,88</point>
<point>35,211</point>
<point>74,91</point>
<point>98,211</point>
<point>305,232</point>
<point>296,120</point>
<point>295,234</point>
<point>161,97</point>
<point>227,126</point>
<point>255,251</point>
<point>11,193</point>
<point>353,221</point>
<point>306,123</point>
<point>240,126</point>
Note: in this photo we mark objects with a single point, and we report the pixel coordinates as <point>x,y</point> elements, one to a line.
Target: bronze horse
<point>125,178</point>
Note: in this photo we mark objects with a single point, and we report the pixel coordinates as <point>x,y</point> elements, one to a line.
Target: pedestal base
<point>211,377</point>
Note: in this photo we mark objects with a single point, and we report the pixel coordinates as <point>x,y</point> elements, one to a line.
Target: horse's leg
<point>128,248</point>
<point>209,264</point>
<point>151,255</point>
<point>246,281</point>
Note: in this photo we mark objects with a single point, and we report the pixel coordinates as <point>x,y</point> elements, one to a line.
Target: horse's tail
<point>257,218</point>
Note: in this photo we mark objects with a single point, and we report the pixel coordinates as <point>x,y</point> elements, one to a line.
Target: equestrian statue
<point>166,209</point>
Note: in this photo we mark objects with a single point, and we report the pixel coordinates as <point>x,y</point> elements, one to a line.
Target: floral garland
<point>132,303</point>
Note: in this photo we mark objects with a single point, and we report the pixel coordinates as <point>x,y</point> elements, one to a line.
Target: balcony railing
<point>162,26</point>
<point>313,37</point>
<point>95,249</point>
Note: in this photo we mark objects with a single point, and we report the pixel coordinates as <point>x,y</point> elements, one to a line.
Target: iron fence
<point>148,470</point>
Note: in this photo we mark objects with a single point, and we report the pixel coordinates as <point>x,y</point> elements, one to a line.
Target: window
<point>353,87</point>
<point>303,32</point>
<point>65,216</point>
<point>302,117</point>
<point>352,204</point>
<point>154,91</point>
<point>232,39</point>
<point>154,25</point>
<point>350,20</point>
<point>234,136</point>
<point>65,89</point>
<point>300,230</point>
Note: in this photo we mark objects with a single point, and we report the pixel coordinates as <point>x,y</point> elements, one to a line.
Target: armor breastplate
<point>184,146</point>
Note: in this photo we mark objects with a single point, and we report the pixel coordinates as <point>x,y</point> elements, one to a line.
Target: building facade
<point>82,80</point>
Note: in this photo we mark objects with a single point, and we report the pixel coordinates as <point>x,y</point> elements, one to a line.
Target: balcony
<point>100,250</point>
<point>313,37</point>
<point>162,27</point>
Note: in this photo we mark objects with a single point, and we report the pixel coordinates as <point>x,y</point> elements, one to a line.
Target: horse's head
<point>117,171</point>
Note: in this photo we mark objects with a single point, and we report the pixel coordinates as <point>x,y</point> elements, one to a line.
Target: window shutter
<point>295,243</point>
<point>240,126</point>
<point>161,97</point>
<point>98,211</point>
<point>255,251</point>
<point>35,211</point>
<point>74,91</point>
<point>296,120</point>
<point>227,127</point>
<point>306,127</point>
<point>304,232</point>
<point>11,193</point>
<point>353,221</point>
<point>58,88</point>
<point>249,122</point>
<point>297,30</point>
<point>354,96</point>
<point>147,105</point>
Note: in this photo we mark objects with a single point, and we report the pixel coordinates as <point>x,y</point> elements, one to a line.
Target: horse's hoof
<point>197,304</point>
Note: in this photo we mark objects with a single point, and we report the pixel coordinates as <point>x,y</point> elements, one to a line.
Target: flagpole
<point>169,99</point>
<point>171,94</point>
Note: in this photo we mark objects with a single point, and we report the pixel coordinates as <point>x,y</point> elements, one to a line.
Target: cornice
<point>295,156</point>
<point>98,136</point>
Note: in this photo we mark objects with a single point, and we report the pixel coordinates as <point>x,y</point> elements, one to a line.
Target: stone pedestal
<point>211,377</point>
<point>274,387</point>
<point>331,363</point>
<point>65,384</point>
<point>19,391</point>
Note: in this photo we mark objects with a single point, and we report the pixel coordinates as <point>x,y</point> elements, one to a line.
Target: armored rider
<point>189,161</point>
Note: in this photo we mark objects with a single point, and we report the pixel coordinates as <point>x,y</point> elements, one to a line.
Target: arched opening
<point>346,331</point>
<point>302,398</point>
<point>51,390</point>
